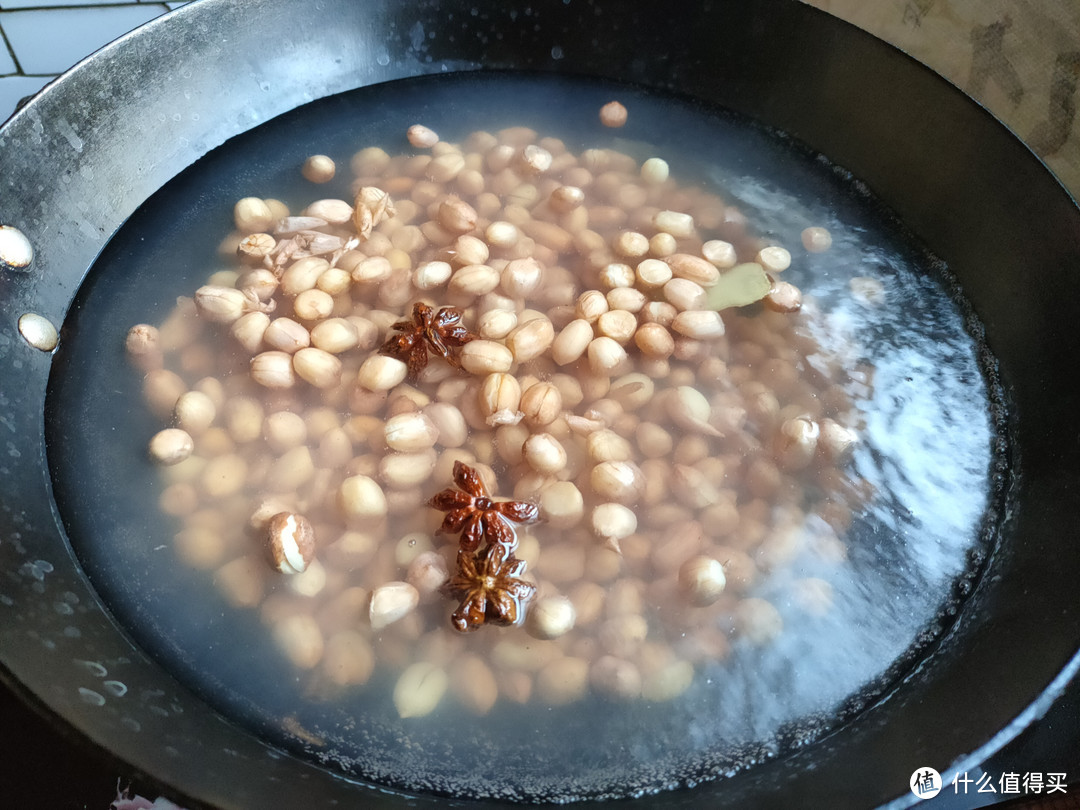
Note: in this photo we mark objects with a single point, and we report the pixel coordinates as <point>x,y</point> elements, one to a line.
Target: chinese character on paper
<point>925,783</point>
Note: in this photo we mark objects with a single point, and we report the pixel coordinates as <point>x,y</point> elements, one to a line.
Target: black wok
<point>81,157</point>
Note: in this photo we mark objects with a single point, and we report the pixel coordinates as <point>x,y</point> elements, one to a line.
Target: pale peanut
<point>499,391</point>
<point>317,367</point>
<point>486,357</point>
<point>361,498</point>
<point>719,253</point>
<point>700,324</point>
<point>544,453</point>
<point>521,277</point>
<point>422,137</point>
<point>694,268</point>
<point>561,504</point>
<point>774,259</point>
<point>541,404</point>
<point>606,356</point>
<point>551,617</point>
<point>319,169</point>
<point>617,324</point>
<point>419,689</point>
<point>391,603</point>
<point>531,339</point>
<point>816,239</point>
<point>572,342</point>
<point>381,373</point>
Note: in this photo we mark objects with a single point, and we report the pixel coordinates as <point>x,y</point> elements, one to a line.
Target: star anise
<point>441,332</point>
<point>490,588</point>
<point>471,511</point>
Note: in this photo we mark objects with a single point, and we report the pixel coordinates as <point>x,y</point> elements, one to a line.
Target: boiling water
<point>927,448</point>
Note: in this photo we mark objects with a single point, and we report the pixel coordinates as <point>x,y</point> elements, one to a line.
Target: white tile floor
<point>43,38</point>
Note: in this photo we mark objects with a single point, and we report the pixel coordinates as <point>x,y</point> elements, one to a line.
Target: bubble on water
<point>95,668</point>
<point>90,697</point>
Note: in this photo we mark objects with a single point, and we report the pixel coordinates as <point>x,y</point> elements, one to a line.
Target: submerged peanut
<point>613,114</point>
<point>758,620</point>
<point>613,522</point>
<point>702,580</point>
<point>391,602</point>
<point>422,137</point>
<point>427,573</point>
<point>410,432</point>
<point>419,689</point>
<point>668,682</point>
<point>551,617</point>
<point>544,453</point>
<point>273,369</point>
<point>362,498</point>
<point>290,542</point>
<point>474,684</point>
<point>616,677</point>
<point>220,304</point>
<point>301,639</point>
<point>563,681</point>
<point>171,446</point>
<point>486,357</point>
<point>318,169</point>
<point>381,373</point>
<point>816,239</point>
